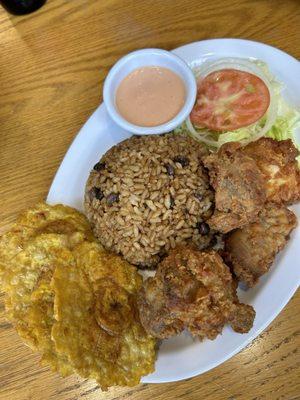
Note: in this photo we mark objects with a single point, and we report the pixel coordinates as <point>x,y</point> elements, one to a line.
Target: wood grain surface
<point>52,67</point>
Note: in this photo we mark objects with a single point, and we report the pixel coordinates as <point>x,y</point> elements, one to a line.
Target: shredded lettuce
<point>276,86</point>
<point>215,140</point>
<point>286,124</point>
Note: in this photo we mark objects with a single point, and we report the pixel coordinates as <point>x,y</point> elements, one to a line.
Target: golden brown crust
<point>251,250</point>
<point>244,178</point>
<point>277,162</point>
<point>192,290</point>
<point>96,319</point>
<point>72,300</point>
<point>239,187</point>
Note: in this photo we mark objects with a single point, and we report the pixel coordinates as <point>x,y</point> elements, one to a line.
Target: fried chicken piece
<point>251,250</point>
<point>192,290</point>
<point>244,178</point>
<point>276,161</point>
<point>239,186</point>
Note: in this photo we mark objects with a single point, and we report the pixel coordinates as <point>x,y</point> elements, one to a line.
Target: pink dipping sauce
<point>150,96</point>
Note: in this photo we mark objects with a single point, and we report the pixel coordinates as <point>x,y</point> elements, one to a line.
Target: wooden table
<point>53,63</point>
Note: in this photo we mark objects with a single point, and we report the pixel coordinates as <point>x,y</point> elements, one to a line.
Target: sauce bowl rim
<point>170,59</point>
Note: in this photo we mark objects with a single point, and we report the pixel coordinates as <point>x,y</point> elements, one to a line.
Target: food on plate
<point>51,250</point>
<point>251,250</point>
<point>229,99</point>
<point>239,187</point>
<point>96,325</point>
<point>239,100</point>
<point>149,193</point>
<point>41,219</point>
<point>277,163</point>
<point>150,96</point>
<point>245,178</point>
<point>29,301</point>
<point>96,259</point>
<point>192,290</point>
<point>29,253</point>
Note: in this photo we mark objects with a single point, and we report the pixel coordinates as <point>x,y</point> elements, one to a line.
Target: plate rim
<point>237,41</point>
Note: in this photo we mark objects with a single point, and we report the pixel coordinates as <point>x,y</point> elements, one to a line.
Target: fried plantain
<point>52,268</point>
<point>97,325</point>
<point>43,218</point>
<point>29,301</point>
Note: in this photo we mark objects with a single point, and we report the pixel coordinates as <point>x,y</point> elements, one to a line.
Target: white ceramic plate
<point>181,357</point>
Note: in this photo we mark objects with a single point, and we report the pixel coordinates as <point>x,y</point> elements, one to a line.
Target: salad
<point>239,100</point>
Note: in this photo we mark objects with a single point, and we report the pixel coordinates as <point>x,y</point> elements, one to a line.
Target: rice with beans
<point>148,194</point>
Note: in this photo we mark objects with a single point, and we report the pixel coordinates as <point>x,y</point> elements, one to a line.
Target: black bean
<point>112,198</point>
<point>198,196</point>
<point>161,253</point>
<point>99,166</point>
<point>184,161</point>
<point>170,169</point>
<point>172,202</point>
<point>203,228</point>
<point>96,193</point>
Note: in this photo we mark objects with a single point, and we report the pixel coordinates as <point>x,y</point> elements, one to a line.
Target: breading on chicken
<point>245,178</point>
<point>251,250</point>
<point>192,290</point>
<point>239,188</point>
<point>276,161</point>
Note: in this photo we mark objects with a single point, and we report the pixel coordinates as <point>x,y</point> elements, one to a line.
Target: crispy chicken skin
<point>239,188</point>
<point>276,161</point>
<point>245,178</point>
<point>192,290</point>
<point>251,250</point>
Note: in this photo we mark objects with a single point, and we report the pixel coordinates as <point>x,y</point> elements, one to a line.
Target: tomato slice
<point>229,99</point>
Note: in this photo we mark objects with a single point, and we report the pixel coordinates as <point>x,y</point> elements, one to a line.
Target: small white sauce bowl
<point>143,58</point>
